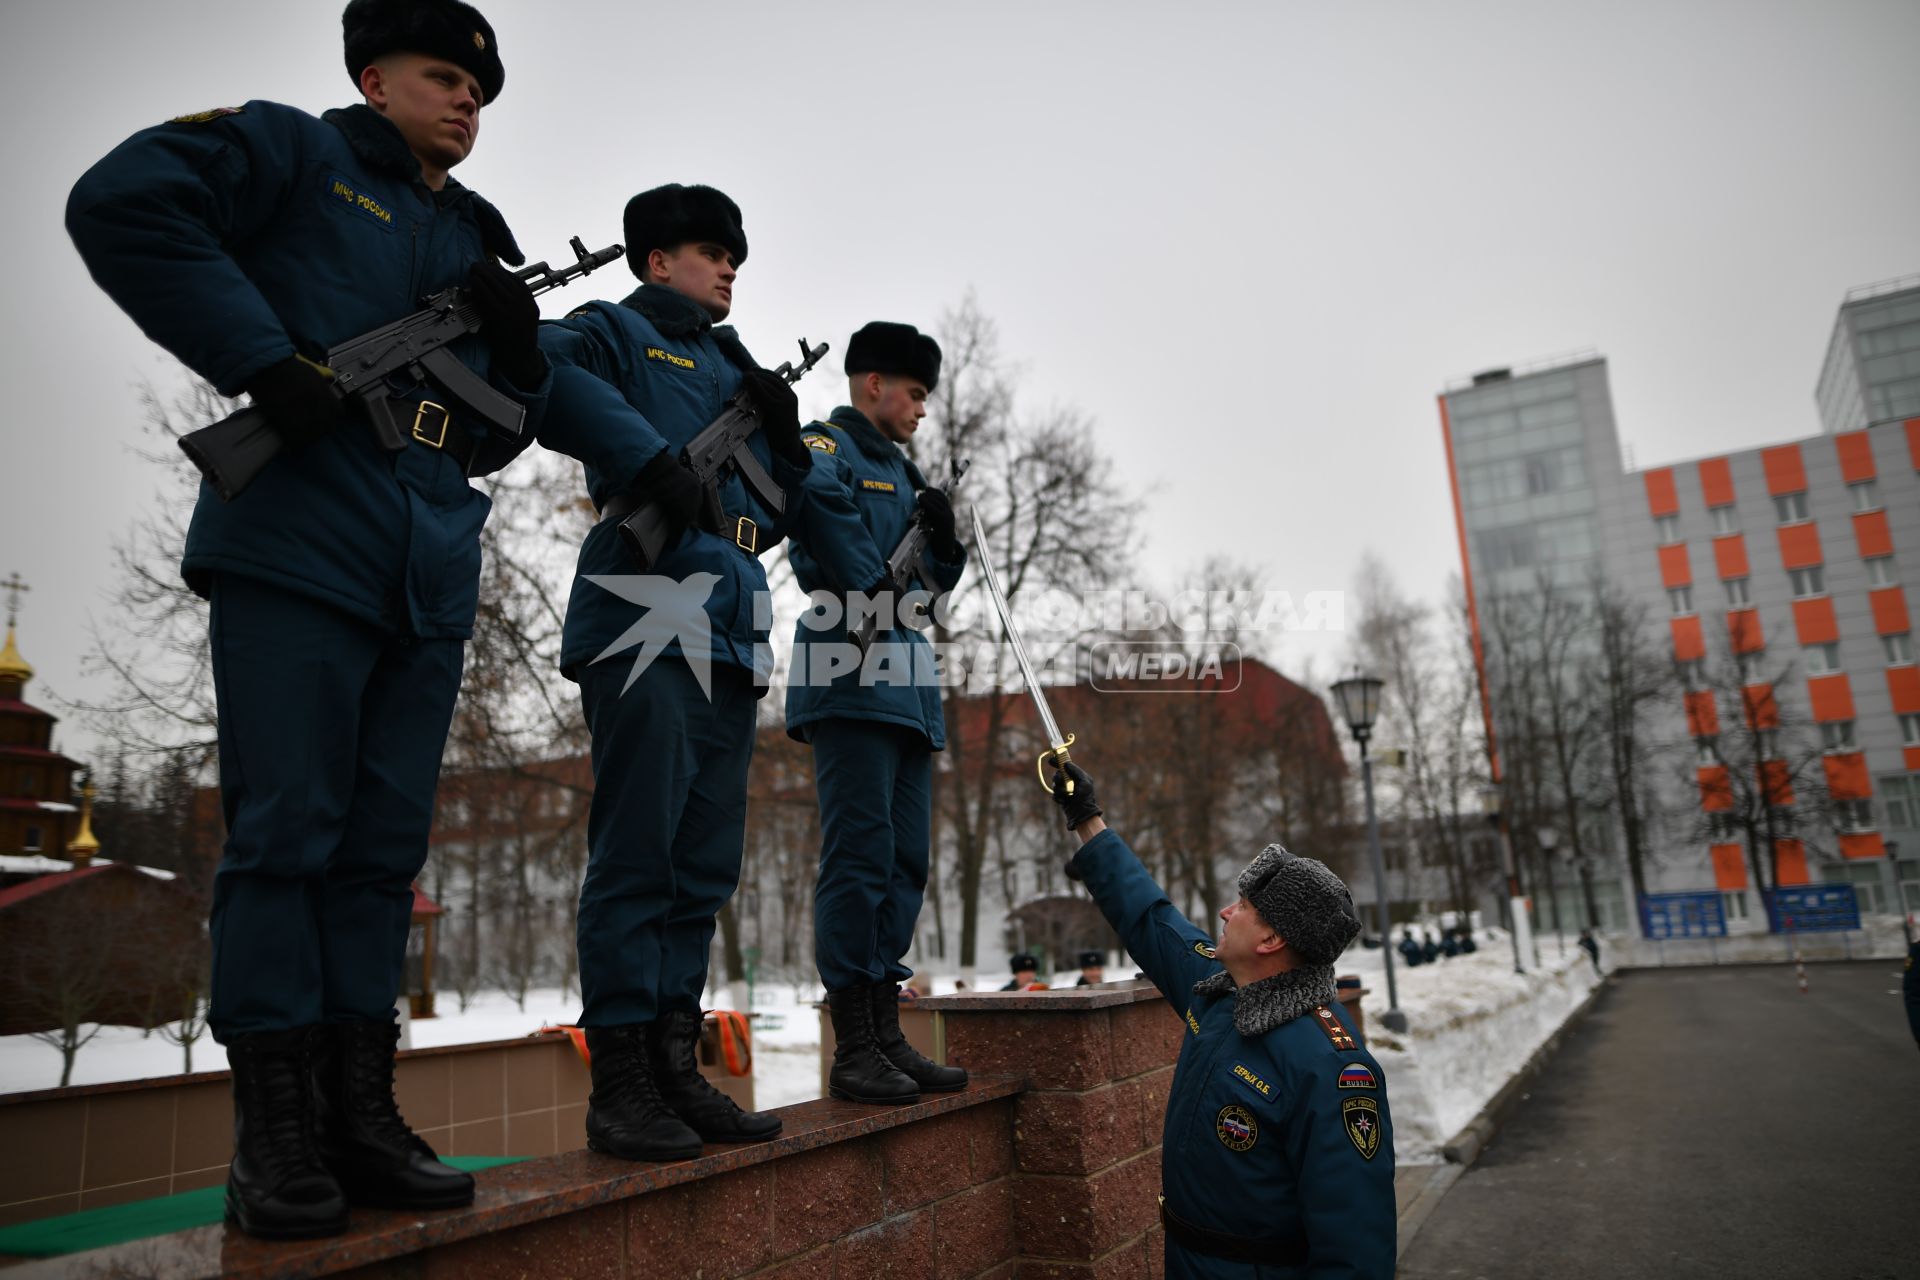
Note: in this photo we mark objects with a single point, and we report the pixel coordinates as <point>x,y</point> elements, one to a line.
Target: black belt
<point>1289,1252</point>
<point>744,534</point>
<point>434,427</point>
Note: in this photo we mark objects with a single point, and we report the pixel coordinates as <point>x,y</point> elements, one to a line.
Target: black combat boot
<point>892,1043</point>
<point>364,1142</point>
<point>672,1041</point>
<point>276,1186</point>
<point>625,1115</point>
<point>860,1072</point>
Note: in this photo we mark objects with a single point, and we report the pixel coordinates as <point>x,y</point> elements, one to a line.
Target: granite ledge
<point>508,1196</point>
<point>1107,995</point>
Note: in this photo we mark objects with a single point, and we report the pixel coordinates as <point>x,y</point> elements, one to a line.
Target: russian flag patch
<point>1358,1075</point>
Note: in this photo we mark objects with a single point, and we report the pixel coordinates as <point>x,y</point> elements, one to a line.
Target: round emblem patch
<point>1236,1127</point>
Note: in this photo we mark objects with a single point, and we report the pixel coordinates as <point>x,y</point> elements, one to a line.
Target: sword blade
<point>1055,738</point>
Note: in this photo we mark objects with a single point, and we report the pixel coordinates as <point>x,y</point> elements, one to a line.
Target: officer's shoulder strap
<point>1336,1030</point>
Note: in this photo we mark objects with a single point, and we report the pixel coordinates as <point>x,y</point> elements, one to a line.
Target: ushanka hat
<point>886,347</point>
<point>1303,902</point>
<point>444,29</point>
<point>672,215</point>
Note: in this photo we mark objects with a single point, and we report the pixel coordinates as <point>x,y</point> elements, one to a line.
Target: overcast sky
<point>1252,241</point>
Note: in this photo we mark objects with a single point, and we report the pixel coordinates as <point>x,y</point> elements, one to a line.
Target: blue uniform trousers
<point>875,782</point>
<point>664,834</point>
<point>330,734</point>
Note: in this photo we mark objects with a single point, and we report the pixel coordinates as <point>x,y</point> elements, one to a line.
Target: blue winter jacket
<point>1282,1136</point>
<point>859,508</point>
<point>630,381</point>
<point>238,237</point>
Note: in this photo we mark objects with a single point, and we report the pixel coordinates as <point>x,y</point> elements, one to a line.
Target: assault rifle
<point>232,451</point>
<point>908,559</point>
<point>720,446</point>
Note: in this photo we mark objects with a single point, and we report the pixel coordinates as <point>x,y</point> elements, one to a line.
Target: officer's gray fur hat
<point>886,347</point>
<point>444,29</point>
<point>669,216</point>
<point>1303,902</point>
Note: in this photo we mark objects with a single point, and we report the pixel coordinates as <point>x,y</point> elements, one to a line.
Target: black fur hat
<point>1303,901</point>
<point>886,347</point>
<point>1093,959</point>
<point>1025,963</point>
<point>446,29</point>
<point>673,215</point>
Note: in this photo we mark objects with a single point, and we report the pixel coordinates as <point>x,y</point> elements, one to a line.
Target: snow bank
<point>1472,1024</point>
<point>1879,938</point>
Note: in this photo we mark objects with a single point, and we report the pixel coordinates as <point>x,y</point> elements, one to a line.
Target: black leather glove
<point>936,513</point>
<point>779,410</point>
<point>1081,805</point>
<point>297,397</point>
<point>509,321</point>
<point>665,481</point>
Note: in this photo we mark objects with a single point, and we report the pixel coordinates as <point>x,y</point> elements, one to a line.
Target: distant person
<point>1278,1141</point>
<point>1467,945</point>
<point>1093,968</point>
<point>1411,950</point>
<point>1026,969</point>
<point>1430,949</point>
<point>1910,988</point>
<point>1450,943</point>
<point>1591,945</point>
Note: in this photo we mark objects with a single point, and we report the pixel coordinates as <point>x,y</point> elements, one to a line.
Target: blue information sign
<point>1815,908</point>
<point>1683,915</point>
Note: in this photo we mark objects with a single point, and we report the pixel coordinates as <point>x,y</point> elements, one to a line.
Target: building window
<point>1681,599</point>
<point>1752,667</point>
<point>1810,581</point>
<point>1837,735</point>
<point>1707,750</point>
<point>1693,673</point>
<point>1766,744</point>
<point>1737,597</point>
<point>33,839</point>
<point>1822,659</point>
<point>1667,528</point>
<point>1899,647</point>
<point>1725,519</point>
<point>1721,827</point>
<point>1880,571</point>
<point>1790,508</point>
<point>1866,497</point>
<point>1853,815</point>
<point>1910,730</point>
<point>1734,904</point>
<point>1901,795</point>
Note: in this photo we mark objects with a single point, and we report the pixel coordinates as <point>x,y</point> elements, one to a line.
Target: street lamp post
<point>1516,905</point>
<point>1548,839</point>
<point>1359,699</point>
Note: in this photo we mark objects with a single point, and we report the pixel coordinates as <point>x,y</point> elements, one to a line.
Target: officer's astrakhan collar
<point>871,442</point>
<point>1261,1006</point>
<point>378,143</point>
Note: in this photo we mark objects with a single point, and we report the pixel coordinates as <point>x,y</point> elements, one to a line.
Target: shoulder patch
<point>1236,1127</point>
<point>1193,1023</point>
<point>1203,950</point>
<point>1335,1029</point>
<point>878,486</point>
<point>1358,1075</point>
<point>668,357</point>
<point>201,117</point>
<point>824,443</point>
<point>1361,1118</point>
<point>1245,1075</point>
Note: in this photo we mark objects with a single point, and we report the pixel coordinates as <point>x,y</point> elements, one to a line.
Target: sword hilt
<point>1058,758</point>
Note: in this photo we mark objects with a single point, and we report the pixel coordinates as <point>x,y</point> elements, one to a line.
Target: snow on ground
<point>1472,1023</point>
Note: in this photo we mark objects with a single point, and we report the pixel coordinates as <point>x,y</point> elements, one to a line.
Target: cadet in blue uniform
<point>669,664</point>
<point>873,720</point>
<point>246,241</point>
<point>1278,1147</point>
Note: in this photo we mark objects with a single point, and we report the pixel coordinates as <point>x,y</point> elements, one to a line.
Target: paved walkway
<point>1704,1122</point>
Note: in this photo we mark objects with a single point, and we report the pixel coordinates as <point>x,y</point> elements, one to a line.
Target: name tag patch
<point>1236,1127</point>
<point>1358,1075</point>
<point>1247,1077</point>
<point>678,362</point>
<point>1193,1023</point>
<point>878,486</point>
<point>340,189</point>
